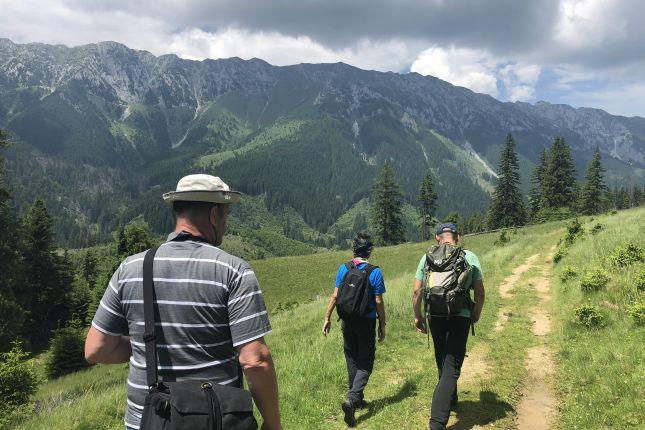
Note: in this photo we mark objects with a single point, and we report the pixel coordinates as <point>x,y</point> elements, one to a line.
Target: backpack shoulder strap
<point>149,318</point>
<point>370,268</point>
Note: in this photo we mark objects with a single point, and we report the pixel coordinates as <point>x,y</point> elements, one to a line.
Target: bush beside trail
<point>17,383</point>
<point>66,354</point>
<point>590,316</point>
<point>594,280</point>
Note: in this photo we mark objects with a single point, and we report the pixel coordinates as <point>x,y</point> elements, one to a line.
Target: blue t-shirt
<point>376,283</point>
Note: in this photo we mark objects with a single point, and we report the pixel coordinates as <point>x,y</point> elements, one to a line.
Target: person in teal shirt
<point>449,334</point>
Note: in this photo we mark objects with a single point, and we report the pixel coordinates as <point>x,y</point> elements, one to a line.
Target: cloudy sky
<point>580,52</point>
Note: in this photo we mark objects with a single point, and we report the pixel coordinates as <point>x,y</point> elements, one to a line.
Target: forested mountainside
<point>101,131</point>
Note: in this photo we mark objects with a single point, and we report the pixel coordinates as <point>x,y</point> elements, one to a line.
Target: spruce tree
<point>453,217</point>
<point>48,278</point>
<point>592,192</point>
<point>90,269</point>
<point>637,196</point>
<point>535,192</point>
<point>427,201</point>
<point>507,206</point>
<point>559,183</point>
<point>387,208</point>
<point>10,264</point>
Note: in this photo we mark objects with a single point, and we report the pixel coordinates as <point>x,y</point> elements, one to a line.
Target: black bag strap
<point>369,268</point>
<point>149,318</point>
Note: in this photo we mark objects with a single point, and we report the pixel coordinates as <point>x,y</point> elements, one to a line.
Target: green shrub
<point>590,316</point>
<point>640,282</point>
<point>17,383</point>
<point>627,254</point>
<point>287,306</point>
<point>568,273</point>
<point>574,230</point>
<point>596,228</point>
<point>637,311</point>
<point>502,239</point>
<point>560,253</point>
<point>66,354</point>
<point>595,280</point>
<point>613,212</point>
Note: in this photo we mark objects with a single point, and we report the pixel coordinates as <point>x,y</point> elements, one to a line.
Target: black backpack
<point>354,292</point>
<point>446,273</point>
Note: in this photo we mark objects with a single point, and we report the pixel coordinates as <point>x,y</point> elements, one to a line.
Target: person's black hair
<point>190,209</point>
<point>362,244</point>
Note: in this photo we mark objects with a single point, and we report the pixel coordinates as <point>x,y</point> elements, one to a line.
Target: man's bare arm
<point>106,349</point>
<point>380,312</point>
<point>416,306</point>
<point>257,364</point>
<point>480,296</point>
<point>330,309</point>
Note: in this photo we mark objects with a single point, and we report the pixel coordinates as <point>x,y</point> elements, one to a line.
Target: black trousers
<point>449,337</point>
<point>360,347</point>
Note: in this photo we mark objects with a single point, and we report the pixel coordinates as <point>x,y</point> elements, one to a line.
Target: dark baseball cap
<point>446,227</point>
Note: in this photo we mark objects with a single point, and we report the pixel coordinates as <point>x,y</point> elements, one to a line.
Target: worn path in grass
<point>536,410</point>
<point>524,292</point>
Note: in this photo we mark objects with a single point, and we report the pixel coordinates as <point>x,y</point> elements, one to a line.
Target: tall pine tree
<point>387,208</point>
<point>10,265</point>
<point>507,207</point>
<point>427,204</point>
<point>48,277</point>
<point>535,192</point>
<point>559,186</point>
<point>594,187</point>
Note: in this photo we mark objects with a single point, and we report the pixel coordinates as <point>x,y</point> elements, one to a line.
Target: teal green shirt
<point>476,275</point>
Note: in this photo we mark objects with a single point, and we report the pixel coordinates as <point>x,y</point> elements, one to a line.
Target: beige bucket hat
<point>202,188</point>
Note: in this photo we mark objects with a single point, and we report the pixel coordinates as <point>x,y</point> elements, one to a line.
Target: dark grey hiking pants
<point>360,347</point>
<point>449,337</point>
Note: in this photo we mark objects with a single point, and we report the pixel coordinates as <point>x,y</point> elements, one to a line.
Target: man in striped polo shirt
<point>211,313</point>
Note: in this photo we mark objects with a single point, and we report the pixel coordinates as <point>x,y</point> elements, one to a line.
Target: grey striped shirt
<point>209,302</point>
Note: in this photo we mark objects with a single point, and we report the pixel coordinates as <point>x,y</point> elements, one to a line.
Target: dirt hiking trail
<point>536,408</point>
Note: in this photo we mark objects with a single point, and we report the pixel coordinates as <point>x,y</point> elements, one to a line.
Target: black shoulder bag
<point>189,404</point>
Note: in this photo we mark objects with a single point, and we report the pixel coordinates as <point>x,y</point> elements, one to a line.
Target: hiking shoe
<point>349,411</point>
<point>361,404</point>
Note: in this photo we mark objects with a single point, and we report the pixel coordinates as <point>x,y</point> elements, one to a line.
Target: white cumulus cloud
<point>480,71</point>
<point>470,68</point>
<point>283,50</point>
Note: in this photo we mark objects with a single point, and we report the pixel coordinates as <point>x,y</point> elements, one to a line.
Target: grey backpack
<point>446,281</point>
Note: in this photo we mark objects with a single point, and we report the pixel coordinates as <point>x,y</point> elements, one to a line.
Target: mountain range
<point>101,131</point>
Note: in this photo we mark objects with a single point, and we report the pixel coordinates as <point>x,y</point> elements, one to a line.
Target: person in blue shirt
<point>359,333</point>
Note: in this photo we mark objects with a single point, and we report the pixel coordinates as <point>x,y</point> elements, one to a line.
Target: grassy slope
<point>312,378</point>
<point>602,376</point>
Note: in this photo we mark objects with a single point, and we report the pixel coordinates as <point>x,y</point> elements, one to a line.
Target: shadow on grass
<point>408,389</point>
<point>479,413</point>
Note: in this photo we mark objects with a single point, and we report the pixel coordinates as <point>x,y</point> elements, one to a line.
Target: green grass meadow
<point>600,372</point>
<point>601,377</point>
